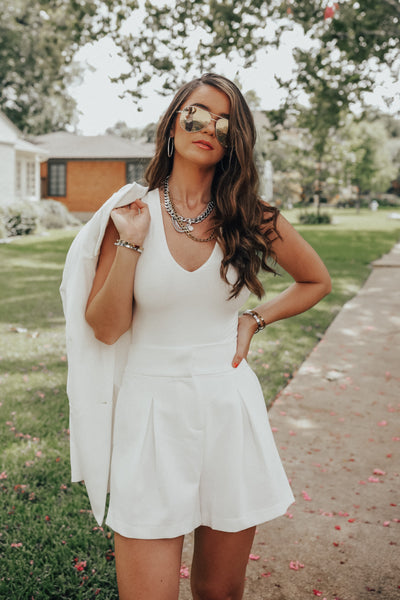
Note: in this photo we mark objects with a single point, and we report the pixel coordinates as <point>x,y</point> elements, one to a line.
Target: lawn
<point>50,546</point>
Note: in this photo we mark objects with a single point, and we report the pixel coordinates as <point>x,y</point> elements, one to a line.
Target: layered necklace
<point>185,224</point>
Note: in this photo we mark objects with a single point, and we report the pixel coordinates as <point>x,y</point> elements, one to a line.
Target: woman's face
<point>202,147</point>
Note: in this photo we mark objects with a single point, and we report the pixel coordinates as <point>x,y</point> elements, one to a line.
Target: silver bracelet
<point>124,244</point>
<point>258,318</point>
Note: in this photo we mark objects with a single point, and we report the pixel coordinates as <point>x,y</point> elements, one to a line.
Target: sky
<point>100,106</point>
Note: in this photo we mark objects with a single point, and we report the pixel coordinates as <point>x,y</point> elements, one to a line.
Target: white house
<point>19,164</point>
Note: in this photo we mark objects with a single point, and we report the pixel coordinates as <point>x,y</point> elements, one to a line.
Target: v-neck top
<point>177,307</point>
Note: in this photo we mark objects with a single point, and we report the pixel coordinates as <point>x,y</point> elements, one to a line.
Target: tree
<point>368,163</point>
<point>349,41</point>
<point>123,130</point>
<point>38,40</point>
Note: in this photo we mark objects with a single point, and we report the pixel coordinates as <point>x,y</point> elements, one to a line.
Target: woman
<point>192,448</point>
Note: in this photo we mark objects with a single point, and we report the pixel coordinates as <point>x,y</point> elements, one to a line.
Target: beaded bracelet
<point>260,321</point>
<point>124,244</point>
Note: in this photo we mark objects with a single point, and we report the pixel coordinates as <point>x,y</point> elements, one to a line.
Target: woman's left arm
<point>311,284</point>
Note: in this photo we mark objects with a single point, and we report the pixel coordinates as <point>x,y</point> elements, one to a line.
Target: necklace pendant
<point>190,227</point>
<point>177,227</point>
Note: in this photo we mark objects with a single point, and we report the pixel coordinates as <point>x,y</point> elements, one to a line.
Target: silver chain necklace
<point>178,220</point>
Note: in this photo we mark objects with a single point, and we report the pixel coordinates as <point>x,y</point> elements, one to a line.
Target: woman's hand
<point>246,329</point>
<point>132,221</point>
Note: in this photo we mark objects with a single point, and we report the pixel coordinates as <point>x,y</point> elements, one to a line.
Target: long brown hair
<point>245,225</point>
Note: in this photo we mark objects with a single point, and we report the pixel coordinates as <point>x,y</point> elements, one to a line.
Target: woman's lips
<point>204,144</point>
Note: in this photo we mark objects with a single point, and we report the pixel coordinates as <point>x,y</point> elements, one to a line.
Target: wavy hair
<point>245,225</point>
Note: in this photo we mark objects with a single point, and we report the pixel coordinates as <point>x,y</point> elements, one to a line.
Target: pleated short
<point>192,446</point>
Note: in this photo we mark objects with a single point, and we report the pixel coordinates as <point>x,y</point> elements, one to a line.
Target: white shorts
<point>192,446</point>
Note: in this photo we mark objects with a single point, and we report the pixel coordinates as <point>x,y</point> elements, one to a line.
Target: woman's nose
<point>210,128</point>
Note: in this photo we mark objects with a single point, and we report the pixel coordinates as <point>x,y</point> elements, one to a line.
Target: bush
<point>54,215</point>
<point>19,218</point>
<point>315,218</point>
<point>23,218</point>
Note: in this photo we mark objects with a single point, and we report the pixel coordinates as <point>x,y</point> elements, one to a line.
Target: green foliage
<point>344,39</point>
<point>24,218</point>
<point>368,163</point>
<point>38,40</point>
<point>361,152</point>
<point>19,218</point>
<point>314,218</point>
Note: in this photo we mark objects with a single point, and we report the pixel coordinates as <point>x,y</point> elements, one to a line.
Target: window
<point>31,178</point>
<point>57,179</point>
<point>135,170</point>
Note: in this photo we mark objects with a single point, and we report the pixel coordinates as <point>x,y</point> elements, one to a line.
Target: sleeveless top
<point>175,307</point>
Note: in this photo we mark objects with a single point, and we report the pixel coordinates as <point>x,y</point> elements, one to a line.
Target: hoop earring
<point>170,146</point>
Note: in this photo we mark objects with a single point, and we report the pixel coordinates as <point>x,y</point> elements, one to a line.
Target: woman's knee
<point>217,591</point>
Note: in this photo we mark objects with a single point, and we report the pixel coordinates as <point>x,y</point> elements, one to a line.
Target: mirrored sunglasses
<point>194,118</point>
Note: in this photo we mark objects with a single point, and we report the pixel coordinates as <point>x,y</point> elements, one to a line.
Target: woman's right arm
<point>110,303</point>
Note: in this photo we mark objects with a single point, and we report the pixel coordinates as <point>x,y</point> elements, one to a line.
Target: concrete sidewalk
<point>337,429</point>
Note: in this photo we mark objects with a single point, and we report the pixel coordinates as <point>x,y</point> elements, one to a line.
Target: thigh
<point>148,569</point>
<point>219,563</point>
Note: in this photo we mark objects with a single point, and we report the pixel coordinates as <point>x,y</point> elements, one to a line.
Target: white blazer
<point>94,368</point>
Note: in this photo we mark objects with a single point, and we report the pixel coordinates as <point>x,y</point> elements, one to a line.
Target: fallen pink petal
<point>184,572</point>
<point>254,557</point>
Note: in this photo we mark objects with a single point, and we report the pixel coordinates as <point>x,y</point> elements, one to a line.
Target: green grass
<point>40,508</point>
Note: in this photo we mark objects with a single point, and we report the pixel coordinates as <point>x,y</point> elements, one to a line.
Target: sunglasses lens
<point>194,118</point>
<point>221,131</point>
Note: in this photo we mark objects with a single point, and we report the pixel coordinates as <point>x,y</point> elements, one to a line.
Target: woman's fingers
<point>244,334</point>
<point>132,220</point>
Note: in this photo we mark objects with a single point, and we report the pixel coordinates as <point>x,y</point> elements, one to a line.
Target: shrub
<point>23,218</point>
<point>54,215</point>
<point>315,218</point>
<point>19,218</point>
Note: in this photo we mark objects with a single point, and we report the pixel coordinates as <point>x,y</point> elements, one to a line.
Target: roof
<point>62,144</point>
<point>24,146</point>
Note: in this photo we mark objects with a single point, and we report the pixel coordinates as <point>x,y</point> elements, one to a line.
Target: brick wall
<point>89,183</point>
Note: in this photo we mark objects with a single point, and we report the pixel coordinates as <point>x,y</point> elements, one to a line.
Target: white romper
<point>192,443</point>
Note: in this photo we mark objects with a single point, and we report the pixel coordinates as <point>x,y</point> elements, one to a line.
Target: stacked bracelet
<point>258,318</point>
<point>124,244</point>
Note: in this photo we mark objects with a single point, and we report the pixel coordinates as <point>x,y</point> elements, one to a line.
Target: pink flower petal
<point>254,557</point>
<point>184,572</point>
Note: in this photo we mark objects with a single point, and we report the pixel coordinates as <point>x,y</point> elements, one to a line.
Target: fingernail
<point>235,364</point>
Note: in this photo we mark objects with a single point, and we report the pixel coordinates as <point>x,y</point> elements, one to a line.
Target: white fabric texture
<point>94,369</point>
<point>192,443</point>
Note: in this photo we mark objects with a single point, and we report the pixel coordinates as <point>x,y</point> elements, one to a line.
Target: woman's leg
<point>148,569</point>
<point>219,563</point>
